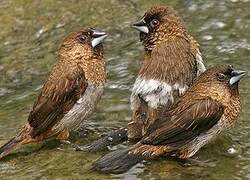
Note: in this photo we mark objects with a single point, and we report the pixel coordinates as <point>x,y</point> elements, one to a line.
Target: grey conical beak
<point>141,26</point>
<point>97,37</point>
<point>237,75</point>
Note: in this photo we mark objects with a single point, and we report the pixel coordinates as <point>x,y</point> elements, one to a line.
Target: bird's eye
<point>82,38</point>
<point>221,76</point>
<point>154,22</point>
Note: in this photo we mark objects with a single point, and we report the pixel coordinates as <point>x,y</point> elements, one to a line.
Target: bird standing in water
<point>71,92</point>
<point>172,60</point>
<point>210,105</point>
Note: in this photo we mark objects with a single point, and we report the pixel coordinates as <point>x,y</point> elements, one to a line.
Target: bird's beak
<point>97,37</point>
<point>237,75</point>
<point>141,26</point>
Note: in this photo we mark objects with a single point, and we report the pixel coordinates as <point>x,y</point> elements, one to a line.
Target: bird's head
<point>220,79</point>
<point>158,24</point>
<point>86,42</point>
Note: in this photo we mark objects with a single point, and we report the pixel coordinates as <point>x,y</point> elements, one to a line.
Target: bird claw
<point>74,146</point>
<point>80,148</point>
<point>66,142</point>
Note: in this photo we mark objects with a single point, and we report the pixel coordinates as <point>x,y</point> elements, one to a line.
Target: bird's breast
<point>232,111</point>
<point>155,92</point>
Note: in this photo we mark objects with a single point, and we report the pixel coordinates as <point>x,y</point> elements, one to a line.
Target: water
<point>31,32</point>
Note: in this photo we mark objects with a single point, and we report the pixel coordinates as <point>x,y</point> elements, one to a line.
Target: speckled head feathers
<point>158,24</point>
<point>160,12</point>
<point>86,39</point>
<point>220,76</point>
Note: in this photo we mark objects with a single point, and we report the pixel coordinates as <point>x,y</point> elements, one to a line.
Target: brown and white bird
<point>172,60</point>
<point>208,107</point>
<point>71,92</point>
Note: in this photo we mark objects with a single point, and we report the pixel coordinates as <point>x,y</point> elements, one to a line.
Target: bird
<point>172,60</point>
<point>210,105</point>
<point>74,86</point>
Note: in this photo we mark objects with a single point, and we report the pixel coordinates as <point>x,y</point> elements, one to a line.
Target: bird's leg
<point>150,119</point>
<point>139,118</point>
<point>135,127</point>
<point>63,136</point>
<point>73,145</point>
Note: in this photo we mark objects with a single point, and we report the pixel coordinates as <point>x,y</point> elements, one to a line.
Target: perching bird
<point>172,60</point>
<point>210,106</point>
<point>71,92</point>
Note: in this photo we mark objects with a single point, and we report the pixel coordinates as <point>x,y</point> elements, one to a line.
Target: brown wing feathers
<point>52,104</point>
<point>188,120</point>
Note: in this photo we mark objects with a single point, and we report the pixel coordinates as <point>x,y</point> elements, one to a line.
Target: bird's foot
<point>73,145</point>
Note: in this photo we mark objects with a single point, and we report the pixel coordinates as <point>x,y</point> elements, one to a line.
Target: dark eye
<point>221,76</point>
<point>154,22</point>
<point>82,38</point>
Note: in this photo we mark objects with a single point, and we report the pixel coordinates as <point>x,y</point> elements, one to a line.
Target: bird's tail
<point>117,162</point>
<point>9,146</point>
<point>111,139</point>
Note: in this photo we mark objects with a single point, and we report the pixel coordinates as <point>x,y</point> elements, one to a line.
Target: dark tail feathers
<point>8,147</point>
<point>111,139</point>
<point>117,162</point>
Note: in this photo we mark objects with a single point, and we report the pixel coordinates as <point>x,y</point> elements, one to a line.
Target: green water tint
<point>31,31</point>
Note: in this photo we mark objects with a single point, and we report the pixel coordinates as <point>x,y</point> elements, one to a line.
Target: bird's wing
<point>57,97</point>
<point>187,121</point>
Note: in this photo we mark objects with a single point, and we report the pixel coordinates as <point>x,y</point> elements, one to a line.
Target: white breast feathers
<point>154,92</point>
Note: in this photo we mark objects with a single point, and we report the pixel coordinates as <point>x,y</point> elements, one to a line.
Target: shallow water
<point>30,33</point>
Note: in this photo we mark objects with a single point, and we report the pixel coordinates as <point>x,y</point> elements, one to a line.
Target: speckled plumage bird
<point>172,60</point>
<point>211,105</point>
<point>71,92</point>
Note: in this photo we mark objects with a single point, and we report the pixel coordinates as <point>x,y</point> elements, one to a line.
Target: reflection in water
<point>32,31</point>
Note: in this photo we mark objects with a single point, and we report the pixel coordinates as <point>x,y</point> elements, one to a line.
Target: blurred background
<point>31,32</point>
